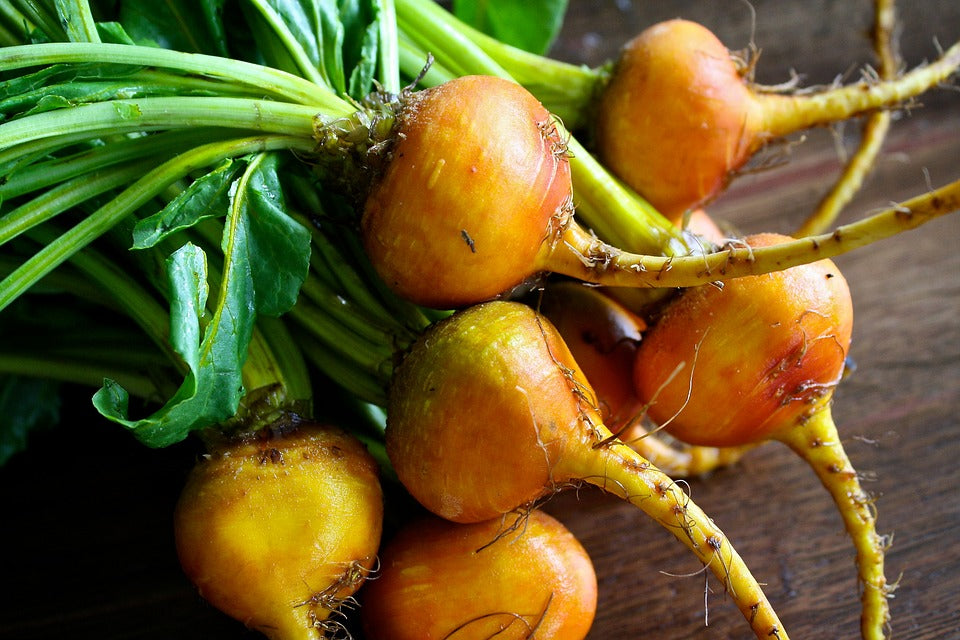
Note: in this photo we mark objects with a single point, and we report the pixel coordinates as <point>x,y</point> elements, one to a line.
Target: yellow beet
<point>489,412</point>
<point>446,581</point>
<point>678,117</point>
<point>278,531</point>
<point>757,360</point>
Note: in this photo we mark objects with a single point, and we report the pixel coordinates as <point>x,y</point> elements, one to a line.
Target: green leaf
<point>212,390</point>
<point>531,25</point>
<point>316,28</point>
<point>206,197</point>
<point>114,32</point>
<point>361,20</point>
<point>278,245</point>
<point>185,25</point>
<point>51,102</point>
<point>266,259</point>
<point>63,75</point>
<point>76,93</point>
<point>27,405</point>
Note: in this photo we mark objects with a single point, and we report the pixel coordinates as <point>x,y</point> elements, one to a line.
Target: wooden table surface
<point>87,512</point>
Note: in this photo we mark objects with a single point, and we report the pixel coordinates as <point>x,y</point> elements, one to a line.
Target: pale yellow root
<point>782,114</point>
<point>874,132</point>
<point>620,470</point>
<point>817,442</point>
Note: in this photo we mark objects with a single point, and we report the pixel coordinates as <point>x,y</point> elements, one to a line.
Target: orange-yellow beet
<point>758,353</point>
<point>761,358</point>
<point>476,177</point>
<point>676,117</point>
<point>277,532</point>
<point>441,580</point>
<point>492,382</point>
<point>489,412</point>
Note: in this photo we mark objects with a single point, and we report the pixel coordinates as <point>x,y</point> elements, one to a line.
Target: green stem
<point>386,308</point>
<point>42,175</point>
<point>288,357</point>
<point>62,280</point>
<point>17,156</point>
<point>272,82</point>
<point>39,16</point>
<point>368,355</point>
<point>80,370</point>
<point>82,349</point>
<point>582,256</point>
<point>345,313</point>
<point>618,214</point>
<point>16,25</point>
<point>124,291</point>
<point>152,114</point>
<point>437,32</point>
<point>78,20</point>
<point>339,262</point>
<point>139,193</point>
<point>275,382</point>
<point>8,38</point>
<point>362,384</point>
<point>567,90</point>
<point>413,58</point>
<point>65,196</point>
<point>389,54</point>
<point>99,341</point>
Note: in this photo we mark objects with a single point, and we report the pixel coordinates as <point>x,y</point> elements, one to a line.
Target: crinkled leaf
<point>207,197</point>
<point>316,27</point>
<point>266,258</point>
<point>213,388</point>
<point>27,405</point>
<point>184,25</point>
<point>531,25</point>
<point>187,273</point>
<point>278,245</point>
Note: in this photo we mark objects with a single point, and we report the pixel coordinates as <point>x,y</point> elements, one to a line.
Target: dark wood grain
<point>86,526</point>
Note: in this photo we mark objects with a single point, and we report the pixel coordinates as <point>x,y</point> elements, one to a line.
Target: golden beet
<point>489,412</point>
<point>477,183</point>
<point>757,360</point>
<point>679,116</point>
<point>757,354</point>
<point>277,532</point>
<point>441,580</point>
